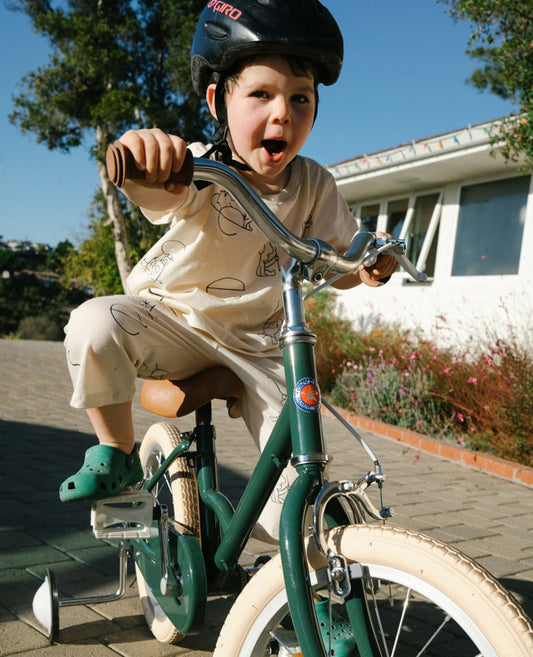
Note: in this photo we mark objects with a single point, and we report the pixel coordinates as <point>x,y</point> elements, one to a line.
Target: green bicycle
<point>348,584</point>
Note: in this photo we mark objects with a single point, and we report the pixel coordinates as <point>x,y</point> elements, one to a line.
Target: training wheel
<point>46,605</point>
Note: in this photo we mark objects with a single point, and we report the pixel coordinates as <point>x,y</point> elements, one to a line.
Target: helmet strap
<point>222,151</point>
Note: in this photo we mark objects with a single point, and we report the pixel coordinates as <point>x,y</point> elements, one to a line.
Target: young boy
<point>208,294</point>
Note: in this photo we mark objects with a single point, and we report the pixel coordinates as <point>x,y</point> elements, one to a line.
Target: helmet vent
<point>216,31</point>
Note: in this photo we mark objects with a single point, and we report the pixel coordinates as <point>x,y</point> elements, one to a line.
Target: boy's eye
<point>259,94</point>
<point>301,99</point>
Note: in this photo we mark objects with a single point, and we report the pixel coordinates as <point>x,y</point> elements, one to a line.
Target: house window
<point>396,213</point>
<point>490,228</point>
<point>414,219</point>
<point>368,220</point>
<point>421,232</point>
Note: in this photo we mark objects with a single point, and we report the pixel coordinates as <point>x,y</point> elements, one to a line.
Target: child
<point>208,294</point>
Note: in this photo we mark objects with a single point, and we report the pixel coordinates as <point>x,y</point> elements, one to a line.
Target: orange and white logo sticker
<point>307,395</point>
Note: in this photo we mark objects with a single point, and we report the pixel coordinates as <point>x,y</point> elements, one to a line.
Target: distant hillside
<point>34,301</point>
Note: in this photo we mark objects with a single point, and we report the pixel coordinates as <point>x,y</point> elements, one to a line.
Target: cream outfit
<point>207,293</point>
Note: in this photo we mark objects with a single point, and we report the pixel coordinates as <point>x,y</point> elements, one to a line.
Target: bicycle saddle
<point>171,398</point>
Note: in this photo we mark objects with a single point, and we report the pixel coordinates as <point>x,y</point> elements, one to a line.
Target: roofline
<point>414,151</point>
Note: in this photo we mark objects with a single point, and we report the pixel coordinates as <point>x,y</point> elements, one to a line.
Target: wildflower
<point>459,416</point>
<point>413,356</point>
<point>472,380</point>
<point>461,441</point>
<point>447,371</point>
<point>486,407</point>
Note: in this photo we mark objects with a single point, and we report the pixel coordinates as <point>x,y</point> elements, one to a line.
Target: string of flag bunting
<point>470,134</point>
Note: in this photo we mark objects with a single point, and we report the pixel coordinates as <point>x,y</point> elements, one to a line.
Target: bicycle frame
<point>298,431</point>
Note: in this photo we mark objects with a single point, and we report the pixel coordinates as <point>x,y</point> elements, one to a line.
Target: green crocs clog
<point>105,472</point>
<point>342,638</point>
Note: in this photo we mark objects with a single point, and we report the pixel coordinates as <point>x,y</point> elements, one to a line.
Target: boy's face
<point>270,115</point>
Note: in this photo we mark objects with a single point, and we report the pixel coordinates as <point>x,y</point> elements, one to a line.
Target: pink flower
<point>461,441</point>
<point>413,356</point>
<point>447,370</point>
<point>473,380</point>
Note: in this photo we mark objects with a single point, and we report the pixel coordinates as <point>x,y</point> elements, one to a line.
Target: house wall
<point>453,309</point>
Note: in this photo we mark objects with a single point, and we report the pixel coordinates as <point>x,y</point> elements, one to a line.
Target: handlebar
<point>365,248</point>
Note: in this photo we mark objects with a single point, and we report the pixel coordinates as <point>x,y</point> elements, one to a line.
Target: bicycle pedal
<point>127,515</point>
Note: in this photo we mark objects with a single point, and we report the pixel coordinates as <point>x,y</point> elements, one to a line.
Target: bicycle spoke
<point>400,625</point>
<point>437,631</point>
<point>379,621</point>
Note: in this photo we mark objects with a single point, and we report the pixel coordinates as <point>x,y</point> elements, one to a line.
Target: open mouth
<point>274,146</point>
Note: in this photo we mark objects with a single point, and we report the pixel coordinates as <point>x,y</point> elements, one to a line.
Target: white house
<point>467,218</point>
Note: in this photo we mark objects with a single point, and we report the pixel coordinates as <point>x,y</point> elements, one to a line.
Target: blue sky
<point>403,79</point>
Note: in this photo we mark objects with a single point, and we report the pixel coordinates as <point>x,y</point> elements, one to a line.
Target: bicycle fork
<point>309,459</point>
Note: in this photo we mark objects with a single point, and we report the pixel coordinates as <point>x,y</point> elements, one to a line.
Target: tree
<point>502,38</point>
<point>92,263</point>
<point>115,64</point>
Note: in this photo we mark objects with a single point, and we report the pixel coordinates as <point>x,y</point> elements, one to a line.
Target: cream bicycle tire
<point>475,600</point>
<point>157,444</point>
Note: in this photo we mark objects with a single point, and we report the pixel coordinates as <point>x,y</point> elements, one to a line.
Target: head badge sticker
<point>307,395</point>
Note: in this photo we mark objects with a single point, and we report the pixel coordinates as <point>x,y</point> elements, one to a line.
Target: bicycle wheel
<point>178,490</point>
<point>424,598</point>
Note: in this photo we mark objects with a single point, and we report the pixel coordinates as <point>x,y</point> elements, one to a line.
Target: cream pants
<point>110,341</point>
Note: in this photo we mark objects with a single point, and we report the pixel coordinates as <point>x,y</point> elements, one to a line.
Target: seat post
<point>204,415</point>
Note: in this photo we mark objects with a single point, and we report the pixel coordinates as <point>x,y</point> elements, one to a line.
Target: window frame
<point>411,197</point>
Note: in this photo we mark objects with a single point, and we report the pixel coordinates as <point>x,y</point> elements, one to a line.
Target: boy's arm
<point>158,154</point>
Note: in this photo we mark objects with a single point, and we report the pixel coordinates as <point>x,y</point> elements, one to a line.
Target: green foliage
<point>114,64</point>
<point>403,398</point>
<point>33,310</point>
<point>337,344</point>
<point>502,38</point>
<point>39,328</point>
<point>93,264</point>
<point>480,396</point>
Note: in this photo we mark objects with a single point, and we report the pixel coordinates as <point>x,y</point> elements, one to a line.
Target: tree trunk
<point>115,214</point>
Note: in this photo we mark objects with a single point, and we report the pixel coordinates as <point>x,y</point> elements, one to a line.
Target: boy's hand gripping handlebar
<point>321,256</point>
<point>121,167</point>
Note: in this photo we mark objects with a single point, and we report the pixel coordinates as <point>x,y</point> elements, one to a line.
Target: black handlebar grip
<point>121,167</point>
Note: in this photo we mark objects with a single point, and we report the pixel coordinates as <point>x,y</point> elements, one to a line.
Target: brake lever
<point>397,249</point>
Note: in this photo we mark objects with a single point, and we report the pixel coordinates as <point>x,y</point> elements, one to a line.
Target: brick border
<point>515,472</point>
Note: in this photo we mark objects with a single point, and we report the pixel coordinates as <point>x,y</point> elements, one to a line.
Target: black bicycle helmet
<point>227,32</point>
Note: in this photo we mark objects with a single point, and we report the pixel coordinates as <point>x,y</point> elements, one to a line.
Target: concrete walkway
<point>42,440</point>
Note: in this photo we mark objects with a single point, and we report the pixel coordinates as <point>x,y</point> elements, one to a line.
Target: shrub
<point>480,396</point>
<point>39,328</point>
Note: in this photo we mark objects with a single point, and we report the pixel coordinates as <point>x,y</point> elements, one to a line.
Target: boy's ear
<point>210,98</point>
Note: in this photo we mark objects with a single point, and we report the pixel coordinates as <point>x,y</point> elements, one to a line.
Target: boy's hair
<point>300,67</point>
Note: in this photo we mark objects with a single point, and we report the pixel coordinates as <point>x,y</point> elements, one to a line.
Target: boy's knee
<point>91,322</point>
